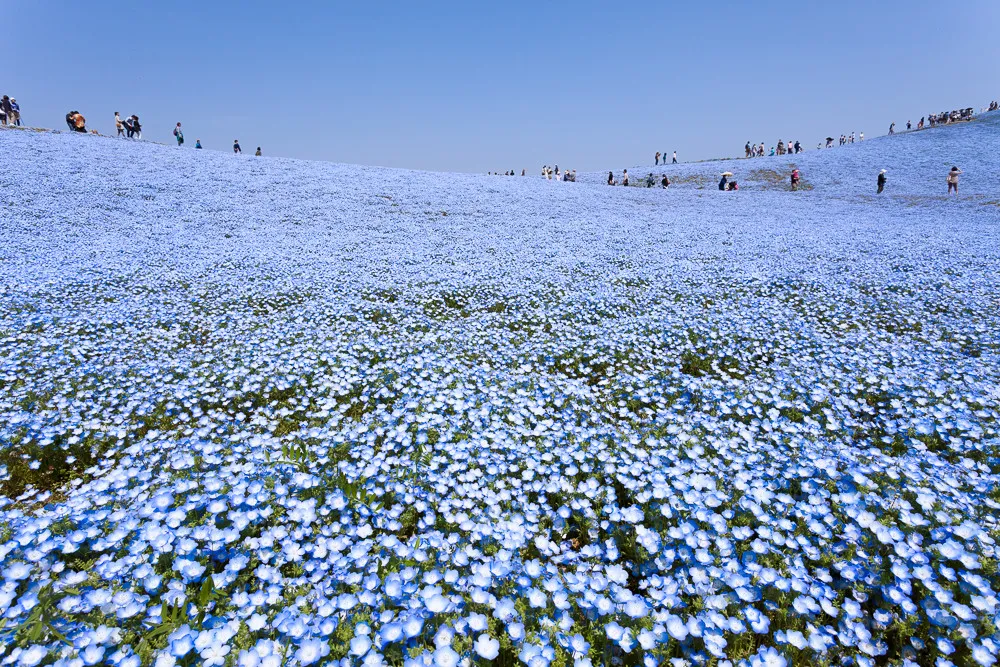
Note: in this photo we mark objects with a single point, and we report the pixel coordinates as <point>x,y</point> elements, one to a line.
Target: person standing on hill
<point>179,135</point>
<point>656,160</point>
<point>197,143</point>
<point>795,179</point>
<point>236,146</point>
<point>15,110</point>
<point>892,128</point>
<point>6,110</point>
<point>953,180</point>
<point>611,178</point>
<point>625,177</point>
<point>746,149</point>
<point>675,158</point>
<point>908,126</point>
<point>258,153</point>
<point>881,181</point>
<point>119,126</point>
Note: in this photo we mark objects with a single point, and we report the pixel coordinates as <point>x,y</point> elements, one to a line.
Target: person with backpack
<point>953,180</point>
<point>236,146</point>
<point>179,135</point>
<point>881,182</point>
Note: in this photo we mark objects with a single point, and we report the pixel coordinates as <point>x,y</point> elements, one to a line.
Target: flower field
<point>275,412</point>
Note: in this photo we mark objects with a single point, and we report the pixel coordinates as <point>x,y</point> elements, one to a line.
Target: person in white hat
<point>881,181</point>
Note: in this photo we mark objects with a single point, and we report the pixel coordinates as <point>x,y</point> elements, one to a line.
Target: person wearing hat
<point>953,180</point>
<point>881,181</point>
<point>725,181</point>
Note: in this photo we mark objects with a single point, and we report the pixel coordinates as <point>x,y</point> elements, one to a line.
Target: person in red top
<point>795,179</point>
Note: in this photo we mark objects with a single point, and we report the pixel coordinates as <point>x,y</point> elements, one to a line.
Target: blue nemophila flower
<point>486,647</point>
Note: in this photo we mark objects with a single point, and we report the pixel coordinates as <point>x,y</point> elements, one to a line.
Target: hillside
<point>258,407</point>
<point>916,161</point>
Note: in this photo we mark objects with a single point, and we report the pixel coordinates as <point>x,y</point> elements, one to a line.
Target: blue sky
<point>476,86</point>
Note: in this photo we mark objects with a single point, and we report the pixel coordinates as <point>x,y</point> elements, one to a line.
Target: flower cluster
<point>285,413</point>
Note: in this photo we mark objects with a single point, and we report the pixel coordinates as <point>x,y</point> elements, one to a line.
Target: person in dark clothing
<point>6,110</point>
<point>611,178</point>
<point>258,153</point>
<point>650,180</point>
<point>236,146</point>
<point>197,143</point>
<point>881,181</point>
<point>625,178</point>
<point>665,182</point>
<point>723,182</point>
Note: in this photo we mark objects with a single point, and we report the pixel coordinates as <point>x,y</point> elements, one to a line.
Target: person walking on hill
<point>881,182</point>
<point>746,149</point>
<point>675,158</point>
<point>179,135</point>
<point>119,125</point>
<point>6,110</point>
<point>908,126</point>
<point>795,179</point>
<point>656,160</point>
<point>892,128</point>
<point>236,146</point>
<point>953,180</point>
<point>625,177</point>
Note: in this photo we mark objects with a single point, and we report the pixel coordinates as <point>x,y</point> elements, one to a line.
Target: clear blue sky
<point>481,86</point>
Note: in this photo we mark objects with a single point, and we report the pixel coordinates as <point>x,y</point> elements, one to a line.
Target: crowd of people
<point>10,112</point>
<point>553,174</point>
<point>782,148</point>
<point>131,128</point>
